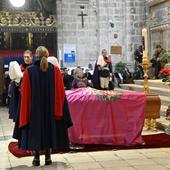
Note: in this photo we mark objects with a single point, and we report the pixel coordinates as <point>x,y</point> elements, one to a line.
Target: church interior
<point>114,55</point>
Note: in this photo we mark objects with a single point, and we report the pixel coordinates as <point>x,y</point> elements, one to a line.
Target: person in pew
<point>15,73</point>
<point>79,79</point>
<point>44,115</point>
<point>87,74</point>
<point>68,79</point>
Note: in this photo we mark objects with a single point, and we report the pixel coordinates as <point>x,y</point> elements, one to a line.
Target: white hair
<point>15,72</point>
<point>53,60</point>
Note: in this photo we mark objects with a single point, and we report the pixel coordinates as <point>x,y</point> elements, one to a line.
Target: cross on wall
<point>82,15</point>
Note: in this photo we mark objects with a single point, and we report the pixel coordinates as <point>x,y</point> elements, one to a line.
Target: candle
<point>145,36</point>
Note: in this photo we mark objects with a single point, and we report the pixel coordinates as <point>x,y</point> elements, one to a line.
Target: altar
<point>106,117</point>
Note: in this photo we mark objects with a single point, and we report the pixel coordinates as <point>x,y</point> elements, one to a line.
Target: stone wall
<point>108,23</point>
<point>158,22</point>
<point>70,31</point>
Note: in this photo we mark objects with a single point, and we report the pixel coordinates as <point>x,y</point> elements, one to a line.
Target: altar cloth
<point>106,117</point>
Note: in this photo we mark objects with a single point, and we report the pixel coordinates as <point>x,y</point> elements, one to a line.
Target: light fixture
<point>17,3</point>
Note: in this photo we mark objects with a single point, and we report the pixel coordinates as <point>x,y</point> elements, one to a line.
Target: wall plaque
<point>116,50</point>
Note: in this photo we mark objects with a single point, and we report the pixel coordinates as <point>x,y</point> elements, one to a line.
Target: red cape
<point>107,60</point>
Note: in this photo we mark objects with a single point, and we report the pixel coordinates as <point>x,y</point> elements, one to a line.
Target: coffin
<point>106,117</point>
<point>153,106</point>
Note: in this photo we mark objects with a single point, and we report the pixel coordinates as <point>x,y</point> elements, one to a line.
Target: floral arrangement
<point>106,95</point>
<point>165,74</point>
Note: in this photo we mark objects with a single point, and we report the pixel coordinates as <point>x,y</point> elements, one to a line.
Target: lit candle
<point>145,36</point>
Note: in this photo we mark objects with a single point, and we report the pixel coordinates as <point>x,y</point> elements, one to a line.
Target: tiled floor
<point>139,159</point>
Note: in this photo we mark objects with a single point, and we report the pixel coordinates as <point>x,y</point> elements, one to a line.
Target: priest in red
<point>44,114</point>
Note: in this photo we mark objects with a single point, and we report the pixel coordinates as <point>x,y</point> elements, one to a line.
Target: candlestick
<point>145,62</point>
<point>149,123</point>
<point>145,36</point>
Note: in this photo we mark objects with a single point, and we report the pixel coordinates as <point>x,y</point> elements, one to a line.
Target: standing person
<point>15,85</point>
<point>103,72</point>
<point>156,60</point>
<point>44,115</point>
<point>7,81</point>
<point>28,58</point>
<point>138,55</point>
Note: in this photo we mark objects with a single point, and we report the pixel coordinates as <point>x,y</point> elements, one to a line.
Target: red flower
<point>165,72</point>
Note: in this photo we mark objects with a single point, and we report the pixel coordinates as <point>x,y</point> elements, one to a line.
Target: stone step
<point>163,124</point>
<point>163,110</point>
<point>155,90</point>
<point>165,100</point>
<point>153,83</point>
<point>161,89</point>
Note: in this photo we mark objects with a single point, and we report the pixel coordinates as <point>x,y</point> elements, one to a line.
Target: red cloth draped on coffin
<point>106,117</point>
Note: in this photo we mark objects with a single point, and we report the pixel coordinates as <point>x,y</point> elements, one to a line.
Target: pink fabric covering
<point>96,120</point>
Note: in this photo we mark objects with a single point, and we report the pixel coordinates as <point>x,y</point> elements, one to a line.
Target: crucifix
<point>82,18</point>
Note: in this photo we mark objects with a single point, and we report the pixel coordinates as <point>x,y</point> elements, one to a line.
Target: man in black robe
<point>138,55</point>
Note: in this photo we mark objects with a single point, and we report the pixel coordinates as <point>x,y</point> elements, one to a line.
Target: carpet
<point>150,141</point>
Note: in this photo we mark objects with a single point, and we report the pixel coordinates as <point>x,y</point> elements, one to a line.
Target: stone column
<point>134,22</point>
<point>102,16</point>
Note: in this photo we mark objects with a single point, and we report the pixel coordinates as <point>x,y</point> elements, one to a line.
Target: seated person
<point>88,74</point>
<point>79,80</point>
<point>127,76</point>
<point>68,79</point>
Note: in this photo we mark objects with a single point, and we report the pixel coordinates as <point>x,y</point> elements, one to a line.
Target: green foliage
<point>119,67</point>
<point>165,57</point>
